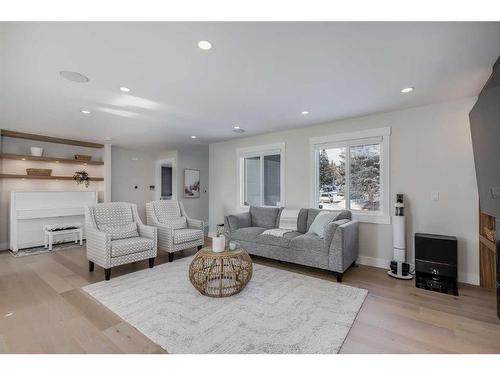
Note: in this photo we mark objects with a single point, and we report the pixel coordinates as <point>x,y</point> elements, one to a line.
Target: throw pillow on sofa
<point>320,222</point>
<point>120,232</point>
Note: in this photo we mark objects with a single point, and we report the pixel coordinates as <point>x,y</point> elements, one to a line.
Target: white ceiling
<point>259,76</point>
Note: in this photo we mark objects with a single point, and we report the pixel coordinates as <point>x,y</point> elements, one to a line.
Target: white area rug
<point>278,311</point>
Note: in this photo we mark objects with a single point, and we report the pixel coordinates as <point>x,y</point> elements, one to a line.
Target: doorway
<point>166,180</point>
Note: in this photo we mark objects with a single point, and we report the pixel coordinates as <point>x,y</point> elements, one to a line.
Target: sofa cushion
<point>169,212</point>
<point>311,215</point>
<point>241,220</point>
<point>308,242</point>
<point>176,223</point>
<point>267,239</point>
<point>302,220</point>
<point>130,246</point>
<point>116,213</point>
<point>247,234</point>
<point>320,222</point>
<point>264,217</point>
<point>187,235</point>
<point>313,212</point>
<point>344,215</point>
<point>120,232</point>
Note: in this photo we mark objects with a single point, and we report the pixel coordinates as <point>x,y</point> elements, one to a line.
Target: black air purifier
<point>436,263</point>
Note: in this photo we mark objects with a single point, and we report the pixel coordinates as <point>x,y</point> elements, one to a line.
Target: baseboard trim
<point>374,262</point>
<point>463,277</point>
<point>468,278</point>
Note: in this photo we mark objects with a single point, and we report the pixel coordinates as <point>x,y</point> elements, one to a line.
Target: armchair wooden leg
<point>170,257</point>
<point>91,266</point>
<point>107,273</point>
<point>151,262</point>
<point>200,247</point>
<point>339,277</point>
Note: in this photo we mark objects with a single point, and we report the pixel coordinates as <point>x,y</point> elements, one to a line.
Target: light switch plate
<point>435,196</point>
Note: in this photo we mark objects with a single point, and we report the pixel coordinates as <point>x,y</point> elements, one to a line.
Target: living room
<point>195,186</point>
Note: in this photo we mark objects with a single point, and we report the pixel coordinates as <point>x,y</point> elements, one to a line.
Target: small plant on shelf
<point>82,177</point>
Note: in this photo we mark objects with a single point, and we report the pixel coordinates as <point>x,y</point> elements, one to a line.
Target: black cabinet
<point>436,263</point>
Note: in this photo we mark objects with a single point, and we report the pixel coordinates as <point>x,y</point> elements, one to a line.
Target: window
<point>261,171</point>
<point>349,174</point>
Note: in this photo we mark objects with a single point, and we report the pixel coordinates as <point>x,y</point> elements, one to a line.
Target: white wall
<point>21,146</point>
<point>191,157</point>
<point>131,168</point>
<point>431,150</point>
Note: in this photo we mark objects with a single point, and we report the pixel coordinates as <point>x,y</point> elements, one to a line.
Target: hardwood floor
<point>43,310</point>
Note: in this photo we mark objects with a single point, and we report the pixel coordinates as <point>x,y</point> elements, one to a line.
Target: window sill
<point>372,219</point>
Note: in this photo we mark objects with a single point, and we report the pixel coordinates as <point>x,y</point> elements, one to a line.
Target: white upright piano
<point>31,210</point>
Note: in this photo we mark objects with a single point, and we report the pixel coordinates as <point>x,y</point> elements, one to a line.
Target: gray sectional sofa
<point>337,251</point>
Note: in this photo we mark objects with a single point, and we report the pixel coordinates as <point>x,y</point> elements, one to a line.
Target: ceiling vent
<point>74,76</point>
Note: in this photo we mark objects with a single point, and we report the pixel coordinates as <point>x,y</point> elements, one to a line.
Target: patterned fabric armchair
<point>176,231</point>
<point>116,236</point>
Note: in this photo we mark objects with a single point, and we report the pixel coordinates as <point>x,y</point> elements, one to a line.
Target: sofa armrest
<point>165,237</point>
<point>147,231</point>
<point>195,224</point>
<point>98,246</point>
<point>236,221</point>
<point>151,216</point>
<point>343,248</point>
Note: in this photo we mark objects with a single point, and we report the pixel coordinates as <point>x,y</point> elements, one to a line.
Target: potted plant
<point>82,177</point>
<point>219,241</point>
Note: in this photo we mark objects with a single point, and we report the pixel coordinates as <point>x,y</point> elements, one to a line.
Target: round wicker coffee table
<point>220,274</point>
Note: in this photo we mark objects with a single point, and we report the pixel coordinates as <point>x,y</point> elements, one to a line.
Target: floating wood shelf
<point>48,159</point>
<point>43,138</point>
<point>22,176</point>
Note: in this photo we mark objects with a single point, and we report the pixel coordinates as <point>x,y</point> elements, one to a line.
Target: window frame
<point>261,151</point>
<point>378,135</point>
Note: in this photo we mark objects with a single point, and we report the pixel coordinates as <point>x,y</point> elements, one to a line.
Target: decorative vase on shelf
<point>36,151</point>
<point>218,244</point>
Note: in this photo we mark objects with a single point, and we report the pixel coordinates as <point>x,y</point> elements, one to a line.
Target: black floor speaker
<point>436,263</point>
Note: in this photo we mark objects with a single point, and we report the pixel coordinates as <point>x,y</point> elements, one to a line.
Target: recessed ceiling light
<point>85,112</point>
<point>124,89</point>
<point>193,137</point>
<point>406,90</point>
<point>305,112</point>
<point>73,76</point>
<point>238,129</point>
<point>204,44</point>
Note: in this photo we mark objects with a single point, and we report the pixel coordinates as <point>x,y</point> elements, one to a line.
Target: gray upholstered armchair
<point>176,231</point>
<point>116,235</point>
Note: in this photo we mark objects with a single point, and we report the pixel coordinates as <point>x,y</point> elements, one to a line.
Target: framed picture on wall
<point>191,183</point>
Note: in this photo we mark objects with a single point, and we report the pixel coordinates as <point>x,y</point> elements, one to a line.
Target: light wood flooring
<point>44,310</point>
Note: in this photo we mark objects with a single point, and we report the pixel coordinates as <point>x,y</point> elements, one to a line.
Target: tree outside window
<point>364,177</point>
